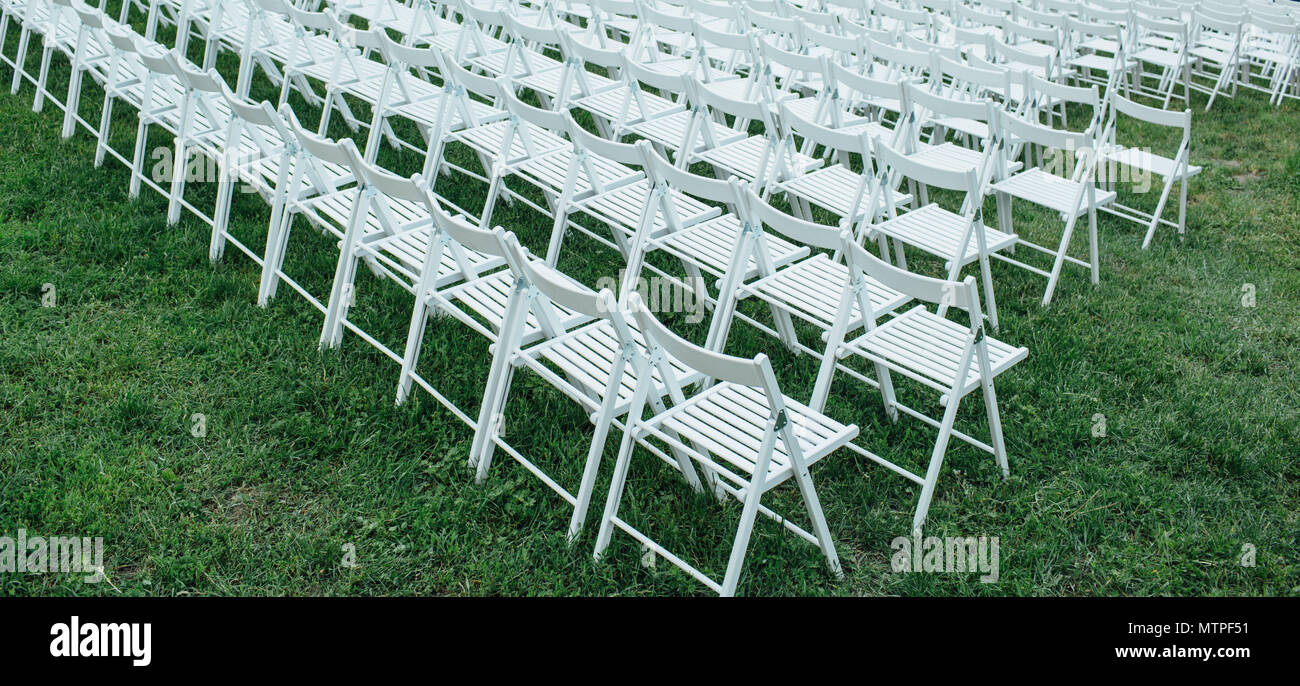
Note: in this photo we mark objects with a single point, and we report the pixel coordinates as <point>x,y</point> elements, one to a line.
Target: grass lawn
<point>305,454</point>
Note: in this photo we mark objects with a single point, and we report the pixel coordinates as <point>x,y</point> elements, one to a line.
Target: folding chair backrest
<point>707,36</point>
<point>805,18</point>
<point>123,38</point>
<point>459,229</point>
<point>963,295</point>
<point>319,147</point>
<point>921,97</point>
<point>1040,62</point>
<point>351,37</point>
<point>550,120</point>
<point>485,87</point>
<point>1152,115</point>
<point>424,58</point>
<point>826,137</point>
<point>1227,27</point>
<point>661,171</point>
<point>758,211</point>
<point>1053,20</point>
<point>160,61</point>
<point>556,287</point>
<point>1032,132</point>
<point>794,61</point>
<point>1048,35</point>
<point>623,153</point>
<point>966,15</point>
<point>666,84</point>
<point>736,370</point>
<point>533,33</point>
<point>664,20</point>
<point>575,48</point>
<point>966,181</point>
<point>1160,25</point>
<point>316,21</point>
<point>907,20</point>
<point>1052,91</point>
<point>845,46</point>
<point>259,114</point>
<point>853,81</point>
<point>973,80</point>
<point>952,52</point>
<point>704,97</point>
<point>1111,31</point>
<point>91,17</point>
<point>912,61</point>
<point>389,184</point>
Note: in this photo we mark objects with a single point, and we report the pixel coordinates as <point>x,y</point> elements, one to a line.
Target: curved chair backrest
<point>940,177</point>
<point>757,210</point>
<point>736,370</point>
<point>332,151</point>
<point>660,170</point>
<point>550,120</point>
<point>258,114</point>
<point>558,288</point>
<point>623,153</point>
<point>960,294</point>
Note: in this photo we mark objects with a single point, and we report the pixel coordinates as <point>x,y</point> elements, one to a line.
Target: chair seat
<point>1212,54</point>
<point>668,130</point>
<point>807,109</point>
<point>729,420</point>
<point>970,127</point>
<point>548,81</point>
<point>401,248</point>
<point>744,158</point>
<point>495,63</point>
<point>710,244</point>
<point>488,296</point>
<point>923,343</point>
<point>621,208</point>
<point>609,103</point>
<point>812,288</point>
<point>1104,63</point>
<point>1051,191</point>
<point>587,355</point>
<point>1147,161</point>
<point>940,233</point>
<point>949,155</point>
<point>425,111</point>
<point>549,172</point>
<point>1158,56</point>
<point>488,138</point>
<point>836,188</point>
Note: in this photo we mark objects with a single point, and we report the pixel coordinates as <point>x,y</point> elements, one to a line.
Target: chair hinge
<point>979,334</point>
<point>780,421</point>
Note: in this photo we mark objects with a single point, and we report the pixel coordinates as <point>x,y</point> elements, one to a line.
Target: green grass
<point>305,452</point>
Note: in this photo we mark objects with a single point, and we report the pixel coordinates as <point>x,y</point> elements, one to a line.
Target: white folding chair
<point>772,439</point>
<point>809,289</point>
<point>1162,44</point>
<point>588,363</point>
<point>1065,186</point>
<point>1216,55</point>
<point>705,244</point>
<point>958,238</point>
<point>1177,169</point>
<point>926,347</point>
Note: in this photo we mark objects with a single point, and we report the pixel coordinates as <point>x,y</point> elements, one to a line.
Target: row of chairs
<point>456,263</point>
